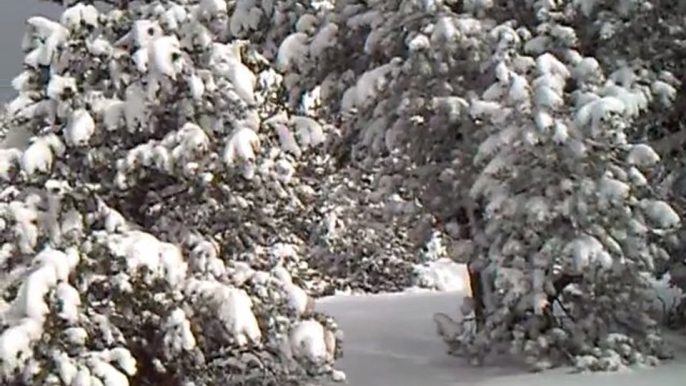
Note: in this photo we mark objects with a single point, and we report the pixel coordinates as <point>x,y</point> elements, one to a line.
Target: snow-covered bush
<point>144,223</point>
<point>524,151</point>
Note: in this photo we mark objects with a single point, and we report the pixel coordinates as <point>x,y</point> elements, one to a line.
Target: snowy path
<point>390,340</point>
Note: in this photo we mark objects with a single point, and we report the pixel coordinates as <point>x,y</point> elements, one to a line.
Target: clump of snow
<point>80,15</point>
<point>233,308</point>
<point>40,155</point>
<point>80,128</point>
<point>16,344</point>
<point>178,334</point>
<point>643,155</point>
<point>293,50</point>
<point>60,86</point>
<point>298,300</point>
<point>660,214</point>
<point>28,311</point>
<point>140,249</point>
<point>308,340</point>
<point>9,160</point>
<point>41,41</point>
<point>241,146</point>
<point>587,250</point>
<point>442,275</point>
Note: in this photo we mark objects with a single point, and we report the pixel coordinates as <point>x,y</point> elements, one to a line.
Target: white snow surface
<point>390,340</point>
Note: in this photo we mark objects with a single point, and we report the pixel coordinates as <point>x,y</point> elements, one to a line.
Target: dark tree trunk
<point>476,284</point>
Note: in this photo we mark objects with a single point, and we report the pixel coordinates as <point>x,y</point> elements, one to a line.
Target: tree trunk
<point>476,274</point>
<point>476,284</point>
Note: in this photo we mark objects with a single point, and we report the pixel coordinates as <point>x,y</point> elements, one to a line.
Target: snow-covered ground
<point>390,340</point>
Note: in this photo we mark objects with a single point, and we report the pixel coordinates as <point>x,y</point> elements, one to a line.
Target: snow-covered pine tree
<point>573,226</point>
<point>150,225</point>
<point>653,35</point>
<point>496,114</point>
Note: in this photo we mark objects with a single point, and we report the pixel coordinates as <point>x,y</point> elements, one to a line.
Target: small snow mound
<point>443,275</point>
